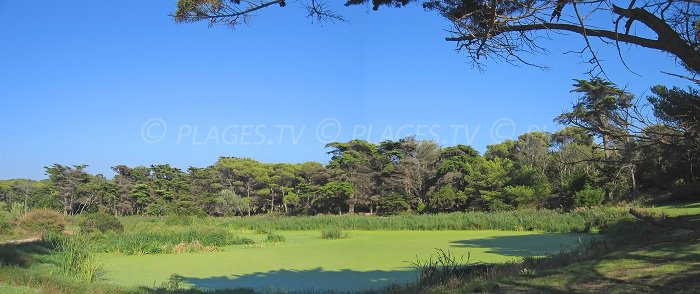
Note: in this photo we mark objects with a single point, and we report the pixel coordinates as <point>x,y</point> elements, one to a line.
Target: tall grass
<point>142,243</point>
<point>444,266</point>
<point>75,257</point>
<point>275,238</point>
<point>333,233</point>
<point>581,220</point>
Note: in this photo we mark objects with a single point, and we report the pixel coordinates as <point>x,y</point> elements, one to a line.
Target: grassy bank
<point>659,256</point>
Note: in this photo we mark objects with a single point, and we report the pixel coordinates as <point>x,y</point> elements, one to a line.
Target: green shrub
<point>101,222</point>
<point>274,238</point>
<point>589,197</point>
<point>332,234</point>
<point>42,222</point>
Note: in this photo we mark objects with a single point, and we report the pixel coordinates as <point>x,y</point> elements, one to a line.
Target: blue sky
<point>79,80</point>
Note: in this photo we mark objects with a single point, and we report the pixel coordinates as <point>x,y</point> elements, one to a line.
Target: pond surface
<point>368,259</point>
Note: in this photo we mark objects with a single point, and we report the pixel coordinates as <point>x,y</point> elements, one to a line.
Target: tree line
<point>612,148</point>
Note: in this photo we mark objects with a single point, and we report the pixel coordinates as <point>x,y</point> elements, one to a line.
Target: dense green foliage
<point>589,197</point>
<point>101,222</point>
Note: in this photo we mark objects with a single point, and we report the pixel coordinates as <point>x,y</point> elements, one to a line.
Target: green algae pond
<point>364,260</point>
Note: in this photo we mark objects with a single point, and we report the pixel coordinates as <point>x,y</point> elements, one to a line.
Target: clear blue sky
<point>79,79</point>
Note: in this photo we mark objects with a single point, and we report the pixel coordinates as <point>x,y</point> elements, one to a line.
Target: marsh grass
<point>75,257</point>
<point>445,272</point>
<point>444,266</point>
<point>275,238</point>
<point>167,241</point>
<point>579,221</point>
<point>333,233</point>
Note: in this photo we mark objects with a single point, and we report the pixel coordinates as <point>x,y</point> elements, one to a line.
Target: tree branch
<point>644,42</point>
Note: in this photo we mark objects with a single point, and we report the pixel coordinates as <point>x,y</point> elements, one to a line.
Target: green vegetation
<point>172,241</point>
<point>580,220</point>
<point>333,234</point>
<point>41,222</point>
<point>101,222</point>
<point>679,209</point>
<point>275,238</point>
<point>589,197</point>
<point>74,257</point>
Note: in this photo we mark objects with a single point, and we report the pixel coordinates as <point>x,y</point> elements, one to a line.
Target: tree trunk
<point>284,203</point>
<point>605,147</point>
<point>66,204</point>
<point>634,182</point>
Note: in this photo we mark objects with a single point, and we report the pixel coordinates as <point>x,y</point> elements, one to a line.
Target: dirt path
<point>21,241</point>
<point>33,239</point>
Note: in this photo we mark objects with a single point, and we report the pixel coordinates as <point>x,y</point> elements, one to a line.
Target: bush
<point>332,234</point>
<point>274,238</point>
<point>589,197</point>
<point>42,222</point>
<point>101,222</point>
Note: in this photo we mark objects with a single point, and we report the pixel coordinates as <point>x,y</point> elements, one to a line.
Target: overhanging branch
<point>649,43</point>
